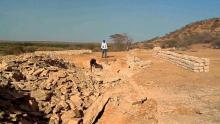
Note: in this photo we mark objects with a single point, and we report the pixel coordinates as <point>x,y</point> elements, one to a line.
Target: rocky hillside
<point>205,31</point>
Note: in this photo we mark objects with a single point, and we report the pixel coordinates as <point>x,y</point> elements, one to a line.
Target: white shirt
<point>104,45</point>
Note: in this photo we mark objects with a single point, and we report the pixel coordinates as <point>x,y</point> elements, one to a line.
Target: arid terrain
<point>110,62</point>
<point>174,95</point>
<point>134,87</point>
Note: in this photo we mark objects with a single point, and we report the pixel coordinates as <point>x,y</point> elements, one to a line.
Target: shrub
<point>216,43</point>
<point>169,43</point>
<point>14,50</point>
<point>148,46</point>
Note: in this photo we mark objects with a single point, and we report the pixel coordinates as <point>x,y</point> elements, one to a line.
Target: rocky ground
<point>134,87</point>
<point>44,89</point>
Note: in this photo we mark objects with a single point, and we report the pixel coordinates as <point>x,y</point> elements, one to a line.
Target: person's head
<point>103,41</point>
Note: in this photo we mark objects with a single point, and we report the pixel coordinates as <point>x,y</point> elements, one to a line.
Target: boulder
<point>76,100</point>
<point>68,115</point>
<point>41,95</point>
<point>62,105</point>
<point>55,119</point>
<point>93,111</point>
<point>75,121</point>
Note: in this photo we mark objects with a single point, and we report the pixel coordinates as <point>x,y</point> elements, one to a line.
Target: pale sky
<point>95,20</point>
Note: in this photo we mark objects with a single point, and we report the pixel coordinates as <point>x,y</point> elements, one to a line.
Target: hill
<point>205,31</point>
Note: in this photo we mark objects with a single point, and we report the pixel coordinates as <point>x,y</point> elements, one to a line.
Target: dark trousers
<point>104,53</point>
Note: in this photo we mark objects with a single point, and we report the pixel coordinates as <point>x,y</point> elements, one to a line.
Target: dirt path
<point>183,96</point>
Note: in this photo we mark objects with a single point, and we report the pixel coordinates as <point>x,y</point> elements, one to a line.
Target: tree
<point>121,41</point>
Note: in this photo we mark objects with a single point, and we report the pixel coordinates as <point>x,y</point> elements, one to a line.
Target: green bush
<point>148,46</point>
<point>14,50</point>
<point>170,43</point>
<point>216,43</point>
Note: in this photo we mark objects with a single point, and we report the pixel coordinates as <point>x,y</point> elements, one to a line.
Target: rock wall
<point>192,63</point>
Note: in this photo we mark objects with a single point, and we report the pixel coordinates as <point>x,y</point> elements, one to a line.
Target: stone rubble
<point>136,63</point>
<point>45,90</point>
<point>192,63</point>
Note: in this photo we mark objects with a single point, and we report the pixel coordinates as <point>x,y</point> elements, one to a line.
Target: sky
<point>95,20</point>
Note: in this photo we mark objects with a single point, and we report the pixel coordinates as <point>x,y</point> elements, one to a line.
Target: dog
<point>94,64</point>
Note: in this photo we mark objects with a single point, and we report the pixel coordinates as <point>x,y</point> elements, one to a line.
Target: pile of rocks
<point>136,63</point>
<point>45,90</point>
<point>195,64</point>
<point>18,107</point>
<point>66,52</point>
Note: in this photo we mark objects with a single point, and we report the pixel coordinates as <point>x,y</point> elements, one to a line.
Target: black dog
<point>94,64</point>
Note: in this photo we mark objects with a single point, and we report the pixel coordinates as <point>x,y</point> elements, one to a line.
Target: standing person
<point>104,48</point>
